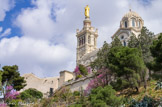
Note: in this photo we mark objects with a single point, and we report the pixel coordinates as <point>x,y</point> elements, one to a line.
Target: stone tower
<point>86,38</point>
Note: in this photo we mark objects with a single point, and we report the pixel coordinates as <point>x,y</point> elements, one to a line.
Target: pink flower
<point>99,80</point>
<point>3,105</point>
<point>11,93</point>
<point>89,70</point>
<point>76,71</point>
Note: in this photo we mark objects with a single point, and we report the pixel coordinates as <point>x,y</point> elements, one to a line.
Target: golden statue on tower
<point>87,11</point>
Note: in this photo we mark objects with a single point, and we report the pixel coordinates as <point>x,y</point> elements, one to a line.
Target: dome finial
<point>130,8</point>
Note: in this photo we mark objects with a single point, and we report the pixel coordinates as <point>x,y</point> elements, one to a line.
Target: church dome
<point>131,14</point>
<point>131,20</point>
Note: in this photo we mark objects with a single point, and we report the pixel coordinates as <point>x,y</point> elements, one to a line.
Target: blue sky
<point>12,14</point>
<point>39,35</point>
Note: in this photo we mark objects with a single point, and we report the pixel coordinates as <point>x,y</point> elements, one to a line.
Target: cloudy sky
<point>39,35</point>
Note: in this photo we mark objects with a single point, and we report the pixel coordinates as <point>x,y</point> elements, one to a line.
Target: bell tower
<point>86,38</point>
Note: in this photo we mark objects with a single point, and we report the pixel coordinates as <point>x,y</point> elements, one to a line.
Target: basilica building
<point>130,24</point>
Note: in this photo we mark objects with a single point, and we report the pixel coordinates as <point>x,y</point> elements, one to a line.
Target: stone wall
<point>41,84</point>
<point>77,85</point>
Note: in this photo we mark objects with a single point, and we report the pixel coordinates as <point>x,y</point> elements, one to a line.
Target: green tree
<point>103,97</point>
<point>145,40</point>
<point>128,66</point>
<point>143,43</point>
<point>12,76</point>
<point>133,41</point>
<point>31,94</point>
<point>83,70</point>
<point>156,50</point>
<point>116,42</point>
<point>102,60</point>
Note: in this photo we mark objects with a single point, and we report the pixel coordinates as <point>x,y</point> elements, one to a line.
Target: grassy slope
<point>150,91</point>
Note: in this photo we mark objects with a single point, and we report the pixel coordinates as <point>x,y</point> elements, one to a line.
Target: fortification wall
<point>41,84</point>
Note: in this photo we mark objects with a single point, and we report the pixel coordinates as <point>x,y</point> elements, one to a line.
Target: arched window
<point>89,39</point>
<point>139,24</point>
<point>133,22</point>
<point>125,44</point>
<point>83,39</point>
<point>126,24</point>
<point>122,37</point>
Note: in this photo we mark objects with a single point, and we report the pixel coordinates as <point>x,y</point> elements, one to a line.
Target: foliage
<point>156,50</point>
<point>11,93</point>
<point>133,41</point>
<point>47,102</point>
<point>158,85</point>
<point>31,94</point>
<point>64,94</point>
<point>116,42</point>
<point>127,64</point>
<point>76,93</point>
<point>81,70</point>
<point>76,105</point>
<point>102,60</point>
<point>120,84</point>
<point>102,78</point>
<point>103,74</point>
<point>102,97</point>
<point>11,74</point>
<point>145,41</point>
<point>1,77</point>
<point>146,102</point>
<point>78,76</point>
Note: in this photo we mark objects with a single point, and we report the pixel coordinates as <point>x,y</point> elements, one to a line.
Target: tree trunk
<point>137,90</point>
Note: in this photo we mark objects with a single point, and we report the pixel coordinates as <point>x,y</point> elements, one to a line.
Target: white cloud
<point>48,44</point>
<point>5,33</point>
<point>5,5</point>
<point>31,54</point>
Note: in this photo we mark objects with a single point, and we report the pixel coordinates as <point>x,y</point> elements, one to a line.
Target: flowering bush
<point>102,78</point>
<point>3,105</point>
<point>89,70</point>
<point>81,71</point>
<point>76,71</point>
<point>11,93</point>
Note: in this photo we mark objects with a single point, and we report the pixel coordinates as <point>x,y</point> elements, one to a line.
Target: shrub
<point>158,85</point>
<point>76,93</point>
<point>83,70</point>
<point>101,97</point>
<point>78,76</point>
<point>31,94</point>
<point>146,102</point>
<point>11,93</point>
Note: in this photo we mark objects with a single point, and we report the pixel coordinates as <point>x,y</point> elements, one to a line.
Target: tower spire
<point>87,11</point>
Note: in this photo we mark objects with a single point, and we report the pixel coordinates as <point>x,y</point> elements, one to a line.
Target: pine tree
<point>116,42</point>
<point>128,66</point>
<point>12,76</point>
<point>145,40</point>
<point>156,50</point>
<point>133,41</point>
<point>102,60</point>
